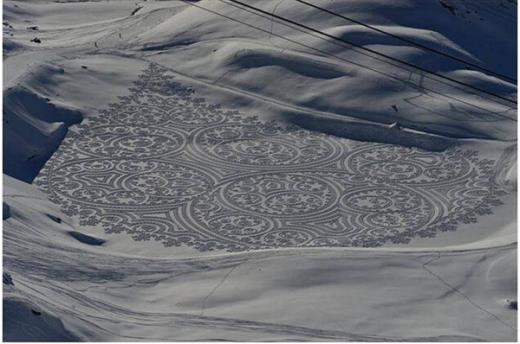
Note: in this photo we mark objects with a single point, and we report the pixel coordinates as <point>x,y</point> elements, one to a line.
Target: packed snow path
<point>162,164</point>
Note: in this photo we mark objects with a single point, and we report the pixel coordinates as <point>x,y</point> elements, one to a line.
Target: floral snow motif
<point>164,165</point>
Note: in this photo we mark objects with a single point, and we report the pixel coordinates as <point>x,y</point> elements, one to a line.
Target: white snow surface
<point>87,284</point>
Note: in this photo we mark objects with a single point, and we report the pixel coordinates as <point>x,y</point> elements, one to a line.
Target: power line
<point>325,53</point>
<point>374,52</point>
<point>422,87</point>
<point>349,61</point>
<point>410,41</point>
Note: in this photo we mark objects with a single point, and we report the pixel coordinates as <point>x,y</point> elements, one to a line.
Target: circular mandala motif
<point>287,238</point>
<point>138,115</point>
<point>384,163</point>
<point>129,142</point>
<point>256,152</point>
<point>240,226</point>
<point>280,194</point>
<point>376,199</point>
<point>387,212</point>
<point>129,183</point>
<point>201,116</point>
<point>261,145</point>
<point>170,181</point>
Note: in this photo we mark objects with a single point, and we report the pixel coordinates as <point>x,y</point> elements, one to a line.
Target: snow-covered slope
<point>75,280</point>
<point>222,44</point>
<point>320,294</point>
<point>33,130</point>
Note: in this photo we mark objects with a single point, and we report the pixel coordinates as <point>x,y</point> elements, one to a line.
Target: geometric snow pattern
<point>163,164</point>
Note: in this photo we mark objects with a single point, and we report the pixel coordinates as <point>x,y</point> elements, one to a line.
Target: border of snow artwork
<point>163,164</point>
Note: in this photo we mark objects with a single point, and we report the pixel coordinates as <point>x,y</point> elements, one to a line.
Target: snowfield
<point>211,170</point>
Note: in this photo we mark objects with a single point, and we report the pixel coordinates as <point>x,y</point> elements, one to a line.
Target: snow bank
<point>24,322</point>
<point>33,130</point>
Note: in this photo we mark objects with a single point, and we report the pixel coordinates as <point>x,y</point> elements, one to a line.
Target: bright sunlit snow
<point>225,170</point>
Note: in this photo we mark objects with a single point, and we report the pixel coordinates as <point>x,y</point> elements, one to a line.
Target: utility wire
<point>373,51</point>
<point>483,69</point>
<point>324,53</point>
<point>422,87</point>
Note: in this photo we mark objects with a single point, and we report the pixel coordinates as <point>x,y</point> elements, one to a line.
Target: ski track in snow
<point>50,276</point>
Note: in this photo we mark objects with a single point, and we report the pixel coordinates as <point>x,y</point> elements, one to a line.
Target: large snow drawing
<point>163,164</point>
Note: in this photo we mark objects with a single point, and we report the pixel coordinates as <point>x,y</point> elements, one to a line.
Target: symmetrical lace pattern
<point>163,164</point>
